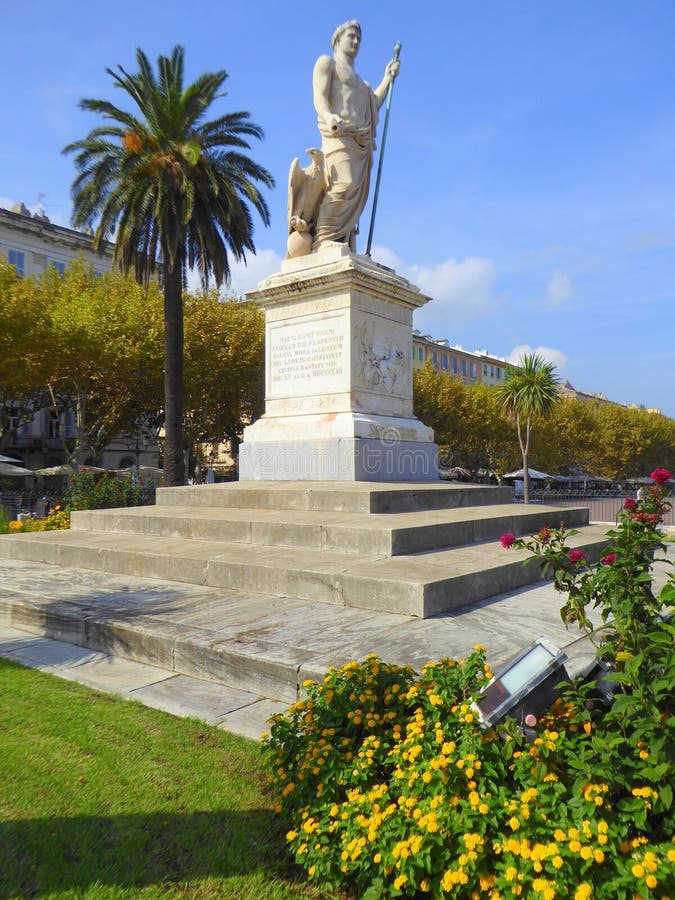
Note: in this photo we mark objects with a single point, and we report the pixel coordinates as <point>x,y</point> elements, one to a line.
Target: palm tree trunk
<point>174,459</point>
<point>524,450</point>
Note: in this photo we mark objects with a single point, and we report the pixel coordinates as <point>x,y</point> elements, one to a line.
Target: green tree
<point>440,402</point>
<point>23,329</point>
<point>490,440</point>
<point>103,354</point>
<point>177,190</point>
<point>631,442</point>
<point>468,424</point>
<point>224,368</point>
<point>566,438</point>
<point>528,390</point>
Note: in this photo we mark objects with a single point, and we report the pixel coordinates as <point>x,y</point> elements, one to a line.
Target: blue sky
<point>529,176</point>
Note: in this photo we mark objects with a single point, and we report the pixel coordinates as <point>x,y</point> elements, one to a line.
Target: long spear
<point>390,90</point>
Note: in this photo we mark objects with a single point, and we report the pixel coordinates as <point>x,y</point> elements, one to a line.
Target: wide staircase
<point>412,549</point>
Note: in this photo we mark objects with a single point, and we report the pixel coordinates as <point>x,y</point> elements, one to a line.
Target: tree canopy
<point>94,346</point>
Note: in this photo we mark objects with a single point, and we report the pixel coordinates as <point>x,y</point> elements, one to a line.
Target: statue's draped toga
<point>348,159</point>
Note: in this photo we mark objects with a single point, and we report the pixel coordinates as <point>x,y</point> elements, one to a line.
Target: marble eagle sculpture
<point>306,188</point>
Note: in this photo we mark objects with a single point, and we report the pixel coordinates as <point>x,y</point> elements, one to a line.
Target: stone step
<point>422,584</point>
<point>390,534</point>
<point>327,496</point>
<point>436,582</point>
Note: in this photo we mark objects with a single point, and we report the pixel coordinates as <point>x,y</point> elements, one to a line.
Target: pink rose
<point>660,476</point>
<point>507,540</point>
<point>609,560</point>
<point>576,556</point>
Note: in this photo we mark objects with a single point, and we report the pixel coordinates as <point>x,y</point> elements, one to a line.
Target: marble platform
<point>412,549</point>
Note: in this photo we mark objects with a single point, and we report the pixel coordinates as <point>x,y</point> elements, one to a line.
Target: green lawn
<point>104,798</point>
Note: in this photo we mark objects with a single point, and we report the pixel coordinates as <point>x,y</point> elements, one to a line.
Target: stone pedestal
<point>338,376</point>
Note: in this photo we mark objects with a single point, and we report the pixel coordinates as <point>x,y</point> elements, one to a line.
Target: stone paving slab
<point>246,720</point>
<point>240,712</point>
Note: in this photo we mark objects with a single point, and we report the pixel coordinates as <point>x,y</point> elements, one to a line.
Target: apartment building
<point>31,243</point>
<point>469,366</point>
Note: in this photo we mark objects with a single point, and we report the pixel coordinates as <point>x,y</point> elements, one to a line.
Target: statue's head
<point>340,30</point>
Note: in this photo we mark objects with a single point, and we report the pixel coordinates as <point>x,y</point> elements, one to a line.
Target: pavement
<point>233,660</point>
<point>237,711</point>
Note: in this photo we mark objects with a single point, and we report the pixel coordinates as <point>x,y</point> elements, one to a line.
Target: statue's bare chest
<point>351,95</point>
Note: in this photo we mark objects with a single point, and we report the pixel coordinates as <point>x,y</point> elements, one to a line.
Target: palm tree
<point>530,389</point>
<point>176,190</point>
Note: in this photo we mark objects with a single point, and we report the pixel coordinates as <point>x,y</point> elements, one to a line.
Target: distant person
<point>347,108</point>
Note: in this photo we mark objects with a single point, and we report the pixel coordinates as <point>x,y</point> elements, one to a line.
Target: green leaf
<point>665,800</point>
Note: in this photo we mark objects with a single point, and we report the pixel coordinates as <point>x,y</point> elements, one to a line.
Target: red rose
<point>507,540</point>
<point>576,556</point>
<point>660,476</point>
<point>609,560</point>
<point>629,503</point>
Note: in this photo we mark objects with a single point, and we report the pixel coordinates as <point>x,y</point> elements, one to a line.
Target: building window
<point>444,362</point>
<point>413,352</point>
<point>59,266</point>
<point>462,366</point>
<point>473,369</point>
<point>434,359</point>
<point>53,426</point>
<point>68,429</point>
<point>499,372</point>
<point>12,413</point>
<point>454,364</point>
<point>17,259</point>
<point>420,354</point>
<point>484,369</point>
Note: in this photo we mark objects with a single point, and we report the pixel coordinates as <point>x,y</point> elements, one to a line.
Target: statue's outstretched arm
<point>390,73</point>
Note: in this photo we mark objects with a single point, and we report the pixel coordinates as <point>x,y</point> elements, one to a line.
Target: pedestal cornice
<point>339,271</point>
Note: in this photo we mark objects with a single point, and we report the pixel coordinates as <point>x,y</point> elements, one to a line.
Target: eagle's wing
<point>296,178</point>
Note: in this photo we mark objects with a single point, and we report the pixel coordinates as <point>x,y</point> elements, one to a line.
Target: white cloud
<point>461,290</point>
<point>245,277</point>
<point>559,289</point>
<point>464,289</point>
<point>386,257</point>
<point>557,357</point>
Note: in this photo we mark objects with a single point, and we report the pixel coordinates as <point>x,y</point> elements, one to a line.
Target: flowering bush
<point>391,788</point>
<point>89,490</point>
<point>621,587</point>
<point>57,520</point>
